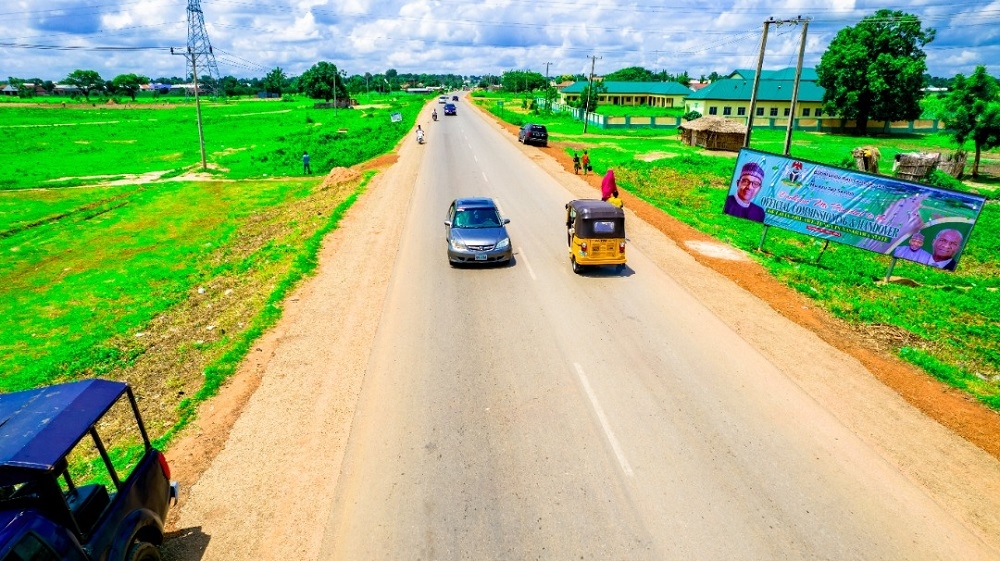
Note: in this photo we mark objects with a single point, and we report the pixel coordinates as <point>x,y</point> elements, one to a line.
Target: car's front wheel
<point>143,551</point>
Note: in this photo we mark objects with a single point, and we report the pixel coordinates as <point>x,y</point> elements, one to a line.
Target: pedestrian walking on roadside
<point>576,163</point>
<point>608,185</point>
<point>305,163</point>
<point>586,163</point>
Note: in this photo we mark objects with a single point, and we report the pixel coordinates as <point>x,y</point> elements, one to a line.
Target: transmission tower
<point>200,56</point>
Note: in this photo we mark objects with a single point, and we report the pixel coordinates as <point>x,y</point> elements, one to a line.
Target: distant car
<point>450,109</point>
<point>454,98</point>
<point>79,478</point>
<point>533,134</point>
<point>476,232</point>
<point>443,99</point>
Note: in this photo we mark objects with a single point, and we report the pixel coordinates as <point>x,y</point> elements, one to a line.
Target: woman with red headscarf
<point>608,185</point>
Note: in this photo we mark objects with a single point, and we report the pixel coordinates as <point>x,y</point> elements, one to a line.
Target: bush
<point>941,179</point>
<point>691,115</point>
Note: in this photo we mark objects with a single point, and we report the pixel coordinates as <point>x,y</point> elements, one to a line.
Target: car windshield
<point>476,218</point>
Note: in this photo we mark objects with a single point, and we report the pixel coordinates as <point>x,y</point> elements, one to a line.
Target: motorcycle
<point>420,137</point>
<point>434,116</point>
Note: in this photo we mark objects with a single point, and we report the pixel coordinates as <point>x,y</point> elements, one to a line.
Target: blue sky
<point>251,37</point>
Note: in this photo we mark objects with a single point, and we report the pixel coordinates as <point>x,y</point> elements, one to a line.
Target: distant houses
<point>728,97</point>
<point>650,94</point>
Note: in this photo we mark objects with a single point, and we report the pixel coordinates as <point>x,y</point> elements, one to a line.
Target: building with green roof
<point>651,94</point>
<point>730,97</point>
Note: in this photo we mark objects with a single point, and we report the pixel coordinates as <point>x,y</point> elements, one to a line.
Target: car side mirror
<point>447,223</point>
<point>506,220</point>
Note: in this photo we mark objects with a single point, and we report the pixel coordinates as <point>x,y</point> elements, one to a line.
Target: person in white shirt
<point>946,245</point>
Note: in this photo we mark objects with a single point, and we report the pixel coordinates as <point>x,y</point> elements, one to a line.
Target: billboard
<point>906,220</point>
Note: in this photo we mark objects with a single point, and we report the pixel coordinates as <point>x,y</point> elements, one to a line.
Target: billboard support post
<point>826,243</point>
<point>762,236</point>
<point>888,273</point>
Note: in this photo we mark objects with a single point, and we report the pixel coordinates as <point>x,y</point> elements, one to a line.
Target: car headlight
<point>504,243</point>
<point>458,244</point>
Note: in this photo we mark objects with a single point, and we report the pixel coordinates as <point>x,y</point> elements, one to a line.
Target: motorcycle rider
<point>420,135</point>
<point>434,114</point>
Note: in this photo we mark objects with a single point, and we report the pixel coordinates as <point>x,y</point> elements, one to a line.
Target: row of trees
<point>87,81</point>
<point>318,79</point>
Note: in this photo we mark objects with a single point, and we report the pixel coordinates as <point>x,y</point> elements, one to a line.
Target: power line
<point>79,48</point>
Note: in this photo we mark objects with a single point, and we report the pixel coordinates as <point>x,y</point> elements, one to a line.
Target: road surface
<point>410,410</point>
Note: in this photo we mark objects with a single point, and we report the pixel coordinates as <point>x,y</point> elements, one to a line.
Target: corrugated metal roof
<point>736,89</point>
<point>808,74</point>
<point>635,88</point>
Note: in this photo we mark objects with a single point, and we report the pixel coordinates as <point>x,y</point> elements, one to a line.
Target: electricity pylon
<point>198,47</point>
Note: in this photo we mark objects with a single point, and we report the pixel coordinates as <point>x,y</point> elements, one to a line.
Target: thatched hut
<point>714,133</point>
<point>917,166</point>
<point>954,164</point>
<point>866,158</point>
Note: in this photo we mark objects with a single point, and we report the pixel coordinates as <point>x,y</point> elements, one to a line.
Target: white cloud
<point>464,37</point>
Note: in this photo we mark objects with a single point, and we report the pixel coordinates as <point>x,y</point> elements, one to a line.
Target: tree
<point>86,80</point>
<point>275,81</point>
<point>590,96</point>
<point>322,81</point>
<point>631,74</point>
<point>522,81</point>
<point>128,83</point>
<point>875,70</point>
<point>972,112</point>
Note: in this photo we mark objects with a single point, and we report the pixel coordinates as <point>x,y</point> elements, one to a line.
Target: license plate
<point>480,257</point>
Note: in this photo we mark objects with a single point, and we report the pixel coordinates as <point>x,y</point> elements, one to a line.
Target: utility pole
<point>590,89</point>
<point>795,87</point>
<point>548,102</point>
<point>193,57</point>
<point>756,83</point>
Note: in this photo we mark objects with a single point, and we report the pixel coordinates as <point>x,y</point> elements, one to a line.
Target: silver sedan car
<point>476,232</point>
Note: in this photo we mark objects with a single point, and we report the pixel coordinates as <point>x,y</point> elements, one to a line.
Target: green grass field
<point>950,321</point>
<point>167,281</point>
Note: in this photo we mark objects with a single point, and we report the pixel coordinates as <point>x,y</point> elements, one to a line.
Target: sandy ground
<point>259,466</point>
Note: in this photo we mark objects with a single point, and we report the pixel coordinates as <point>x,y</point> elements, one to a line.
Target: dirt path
<point>259,467</point>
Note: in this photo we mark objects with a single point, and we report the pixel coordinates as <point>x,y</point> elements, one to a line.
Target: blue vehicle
<point>79,478</point>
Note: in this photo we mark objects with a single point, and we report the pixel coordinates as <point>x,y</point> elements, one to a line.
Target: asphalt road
<point>526,412</point>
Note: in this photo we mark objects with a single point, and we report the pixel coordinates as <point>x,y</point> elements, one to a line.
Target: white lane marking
<point>520,256</point>
<point>604,421</point>
<point>485,178</point>
<point>476,158</point>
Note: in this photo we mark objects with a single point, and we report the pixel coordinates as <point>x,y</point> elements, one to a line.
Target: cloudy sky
<point>48,39</point>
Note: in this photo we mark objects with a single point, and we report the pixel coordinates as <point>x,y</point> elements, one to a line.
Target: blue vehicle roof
<point>475,202</point>
<point>39,427</point>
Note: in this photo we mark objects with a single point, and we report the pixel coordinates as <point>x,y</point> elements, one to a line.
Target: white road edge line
<point>604,421</point>
<point>520,256</point>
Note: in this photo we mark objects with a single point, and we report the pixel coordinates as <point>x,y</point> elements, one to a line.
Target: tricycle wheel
<point>143,551</point>
<point>576,266</point>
